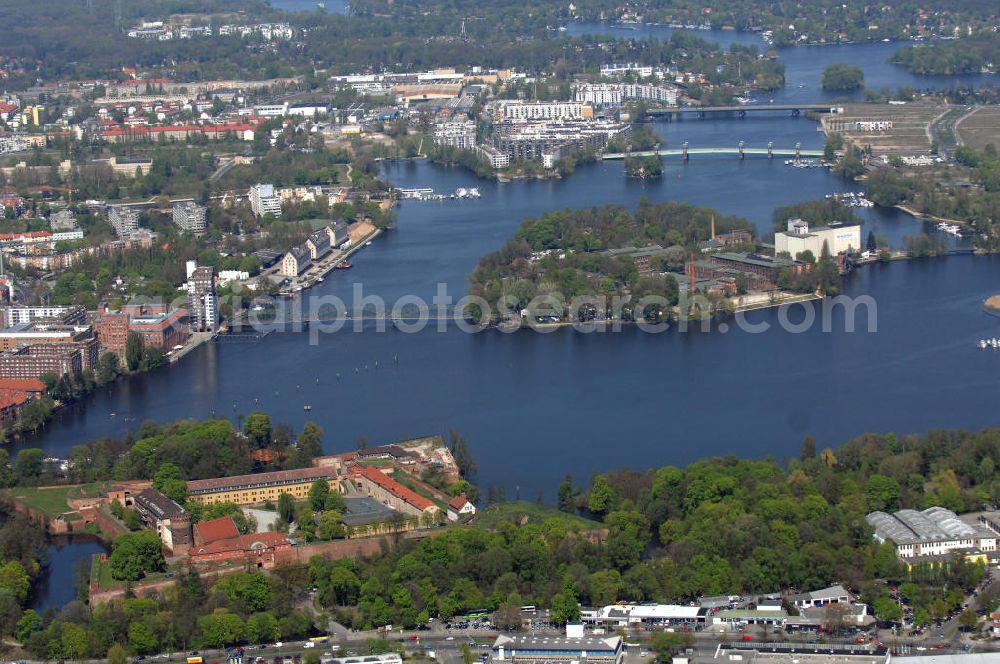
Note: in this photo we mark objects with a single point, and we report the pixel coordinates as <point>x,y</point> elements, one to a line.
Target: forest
<point>969,55</point>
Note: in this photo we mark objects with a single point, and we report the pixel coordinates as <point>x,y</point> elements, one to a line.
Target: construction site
<point>890,130</point>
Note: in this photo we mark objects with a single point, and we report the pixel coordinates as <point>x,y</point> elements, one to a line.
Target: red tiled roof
<point>10,398</point>
<point>265,455</point>
<point>458,502</point>
<point>216,529</point>
<point>392,486</point>
<point>243,543</point>
<point>23,384</point>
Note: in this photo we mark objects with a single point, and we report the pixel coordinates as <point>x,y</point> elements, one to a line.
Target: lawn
<point>491,516</point>
<point>52,500</point>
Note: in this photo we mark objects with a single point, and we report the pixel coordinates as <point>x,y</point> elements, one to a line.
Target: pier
<point>740,151</point>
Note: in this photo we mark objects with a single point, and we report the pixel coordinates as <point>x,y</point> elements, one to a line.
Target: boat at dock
<point>344,265</point>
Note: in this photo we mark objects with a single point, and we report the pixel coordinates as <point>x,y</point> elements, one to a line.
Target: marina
<point>428,194</point>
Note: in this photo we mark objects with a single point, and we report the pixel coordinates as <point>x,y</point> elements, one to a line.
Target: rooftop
<point>258,479</point>
<point>160,505</point>
<point>216,529</point>
<point>911,527</point>
<point>392,486</point>
<point>536,643</point>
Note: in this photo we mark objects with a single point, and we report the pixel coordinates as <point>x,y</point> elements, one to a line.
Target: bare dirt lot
<point>980,127</point>
<point>907,137</point>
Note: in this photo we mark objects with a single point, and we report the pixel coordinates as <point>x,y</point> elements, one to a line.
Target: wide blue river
<point>535,406</point>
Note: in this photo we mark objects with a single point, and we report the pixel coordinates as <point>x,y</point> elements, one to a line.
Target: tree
<point>221,628</point>
<point>310,441</point>
<point>808,449</point>
<point>460,450</point>
<point>345,585</point>
<point>117,654</point>
<point>330,525</point>
<point>887,610</point>
<point>565,607</point>
<point>286,507</point>
<point>14,578</point>
<point>30,621</point>
<point>668,644</point>
<point>257,426</point>
<point>871,245</point>
<point>262,628</point>
<point>28,465</point>
<point>142,638</point>
<point>132,520</point>
<point>318,493</point>
<point>968,619</point>
<point>883,493</point>
<point>565,494</point>
<point>249,591</point>
<point>134,347</point>
<point>135,554</point>
<point>601,493</point>
<point>169,480</point>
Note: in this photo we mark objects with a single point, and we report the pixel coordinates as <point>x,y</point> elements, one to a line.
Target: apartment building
<point>263,200</point>
<point>190,217</point>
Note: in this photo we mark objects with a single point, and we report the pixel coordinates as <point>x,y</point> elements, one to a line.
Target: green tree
<point>132,520</point>
<point>30,622</point>
<point>257,426</point>
<point>263,628</point>
<point>134,347</point>
<point>14,578</point>
<point>117,654</point>
<point>330,525</point>
<point>600,496</point>
<point>249,591</point>
<point>840,77</point>
<point>142,638</point>
<point>135,554</point>
<point>887,610</point>
<point>318,493</point>
<point>169,480</point>
<point>286,507</point>
<point>221,628</point>
<point>28,465</point>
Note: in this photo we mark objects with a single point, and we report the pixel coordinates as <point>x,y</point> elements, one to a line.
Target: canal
<point>57,584</point>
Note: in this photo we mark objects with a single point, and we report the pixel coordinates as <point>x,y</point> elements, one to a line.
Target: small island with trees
<point>840,77</point>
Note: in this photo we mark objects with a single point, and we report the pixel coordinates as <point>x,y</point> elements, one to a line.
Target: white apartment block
<point>614,94</point>
<point>190,217</point>
<point>124,219</point>
<point>457,134</point>
<point>616,70</point>
<point>263,200</point>
<point>543,110</point>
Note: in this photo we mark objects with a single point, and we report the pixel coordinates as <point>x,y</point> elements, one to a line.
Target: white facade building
<point>457,134</point>
<point>124,219</point>
<point>543,110</point>
<point>614,94</point>
<point>190,217</point>
<point>839,238</point>
<point>263,200</point>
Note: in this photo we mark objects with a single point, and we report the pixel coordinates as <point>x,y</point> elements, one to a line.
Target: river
<point>535,406</point>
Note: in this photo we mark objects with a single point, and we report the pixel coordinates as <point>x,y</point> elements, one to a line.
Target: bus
<point>320,639</point>
<point>475,614</point>
<point>194,660</point>
<point>529,609</point>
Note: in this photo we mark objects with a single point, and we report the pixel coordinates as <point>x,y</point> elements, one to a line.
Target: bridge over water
<point>670,112</point>
<point>741,151</point>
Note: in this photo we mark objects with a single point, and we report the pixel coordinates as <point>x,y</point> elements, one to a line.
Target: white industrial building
<point>623,615</point>
<point>936,531</point>
<point>839,238</point>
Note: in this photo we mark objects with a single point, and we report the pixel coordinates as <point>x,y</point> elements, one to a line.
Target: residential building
<point>460,507</point>
<point>932,536</point>
<point>26,334</point>
<point>533,141</point>
<point>190,217</point>
<point>318,244</point>
<point>111,328</point>
<point>498,160</point>
<point>260,487</point>
<point>541,649</point>
<point>614,94</point>
<point>124,219</point>
<point>459,134</point>
<point>296,261</point>
<point>375,484</point>
<point>15,395</point>
<point>339,234</point>
<point>33,361</point>
<point>68,315</point>
<point>161,514</point>
<point>161,329</point>
<point>838,238</point>
<point>618,70</point>
<point>543,110</point>
<point>263,200</point>
<point>203,306</point>
<point>63,220</point>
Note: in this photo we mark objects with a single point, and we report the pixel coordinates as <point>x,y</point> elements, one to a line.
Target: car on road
<point>278,644</point>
